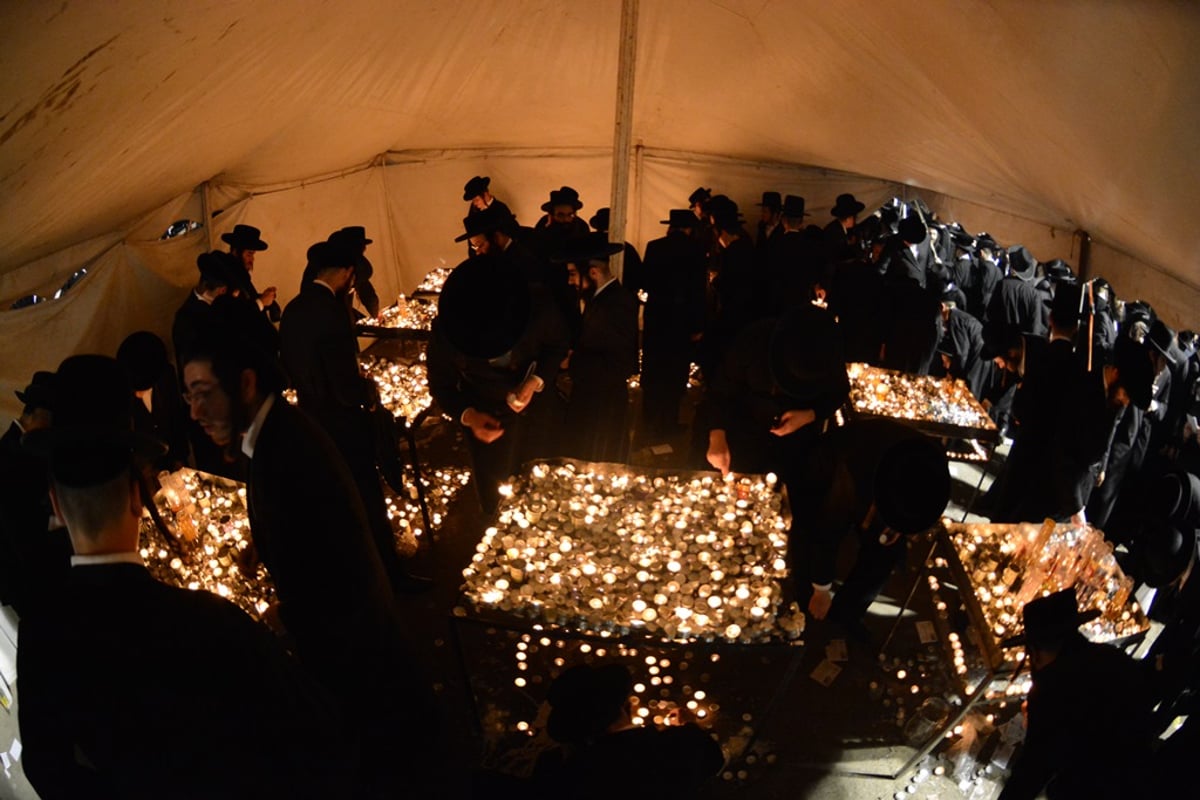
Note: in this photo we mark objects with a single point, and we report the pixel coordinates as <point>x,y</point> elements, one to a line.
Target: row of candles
<point>601,549</point>
<point>403,388</point>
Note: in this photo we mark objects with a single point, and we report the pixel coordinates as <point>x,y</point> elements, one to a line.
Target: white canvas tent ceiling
<point>1064,115</point>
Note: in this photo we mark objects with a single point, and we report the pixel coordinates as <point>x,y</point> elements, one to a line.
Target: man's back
<point>166,693</point>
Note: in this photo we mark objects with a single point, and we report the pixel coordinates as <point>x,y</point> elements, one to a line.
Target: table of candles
<point>941,407</point>
<point>670,572</point>
<point>408,318</point>
<point>208,532</point>
<point>955,672</point>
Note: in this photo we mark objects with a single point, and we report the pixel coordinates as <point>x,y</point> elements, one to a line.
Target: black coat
<point>794,266</point>
<point>737,287</point>
<point>34,561</point>
<point>675,284</point>
<point>963,340</point>
<point>1085,736</point>
<point>192,318</point>
<point>311,532</point>
<point>899,263</point>
<point>912,327</point>
<point>856,298</point>
<point>168,693</point>
<point>1018,305</point>
<point>606,353</point>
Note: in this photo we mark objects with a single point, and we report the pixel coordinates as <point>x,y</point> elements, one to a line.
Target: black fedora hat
<point>484,307</point>
<point>93,438</point>
<point>912,484</point>
<point>701,195</point>
<point>592,247</point>
<point>1066,303</point>
<point>492,218</point>
<point>218,268</point>
<point>143,356</point>
<point>585,701</point>
<point>725,213</point>
<point>1162,339</point>
<point>771,200</point>
<point>1059,271</point>
<point>1021,263</point>
<point>793,206</point>
<point>600,219</point>
<point>1051,620</point>
<point>805,353</point>
<point>244,237</point>
<point>1175,495</point>
<point>1132,361</point>
<point>912,230</point>
<point>846,206</point>
<point>351,234</point>
<point>1164,551</point>
<point>476,186</point>
<point>566,196</point>
<point>960,236</point>
<point>680,218</point>
<point>40,391</point>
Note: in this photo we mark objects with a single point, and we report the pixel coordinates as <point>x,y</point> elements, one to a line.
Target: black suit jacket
<point>193,317</point>
<point>899,263</point>
<point>606,353</point>
<point>676,281</point>
<point>167,693</point>
<point>1019,305</point>
<point>320,354</point>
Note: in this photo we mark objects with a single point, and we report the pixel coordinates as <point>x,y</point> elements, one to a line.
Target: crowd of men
<point>536,338</point>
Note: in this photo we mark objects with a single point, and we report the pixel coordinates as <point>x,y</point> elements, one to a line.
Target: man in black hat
<point>132,688</point>
<point>840,238</point>
<point>320,353</point>
<point>906,256</point>
<point>769,218</point>
<point>633,276</point>
<point>354,239</point>
<point>216,275</point>
<point>244,241</point>
<point>985,276</point>
<point>1017,303</point>
<point>1088,730</point>
<point>493,359</point>
<point>961,347</point>
<point>773,394</point>
<point>604,357</point>
<point>311,530</point>
<point>34,549</point>
<point>880,478</point>
<point>794,262</point>
<point>477,192</point>
<point>737,285</point>
<point>158,409</point>
<point>698,202</point>
<point>673,319</point>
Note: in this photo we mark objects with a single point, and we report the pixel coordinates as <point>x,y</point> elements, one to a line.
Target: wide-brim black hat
<point>484,307</point>
<point>600,219</point>
<point>1050,620</point>
<point>351,234</point>
<point>680,218</point>
<point>476,186</point>
<point>1136,371</point>
<point>846,206</point>
<point>143,356</point>
<point>793,207</point>
<point>218,268</point>
<point>1161,338</point>
<point>492,218</point>
<point>1021,263</point>
<point>1175,495</point>
<point>566,196</point>
<point>724,212</point>
<point>582,249</point>
<point>244,237</point>
<point>1163,551</point>
<point>92,438</point>
<point>1059,271</point>
<point>771,200</point>
<point>1066,304</point>
<point>912,484</point>
<point>701,195</point>
<point>585,701</point>
<point>805,353</point>
<point>912,230</point>
<point>40,391</point>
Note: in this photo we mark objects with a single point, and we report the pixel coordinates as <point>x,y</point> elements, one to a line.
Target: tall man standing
<point>244,241</point>
<point>320,354</point>
<point>311,530</point>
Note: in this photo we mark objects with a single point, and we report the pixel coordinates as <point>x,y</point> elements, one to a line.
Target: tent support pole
<point>623,129</point>
<point>206,210</point>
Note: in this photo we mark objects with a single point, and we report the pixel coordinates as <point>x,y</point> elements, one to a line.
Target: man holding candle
<point>495,354</point>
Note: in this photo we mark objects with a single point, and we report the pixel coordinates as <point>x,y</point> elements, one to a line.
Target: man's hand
<point>793,420</point>
<point>718,451</point>
<point>268,296</point>
<point>1079,518</point>
<point>519,398</point>
<point>1100,479</point>
<point>483,426</point>
<point>819,603</point>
